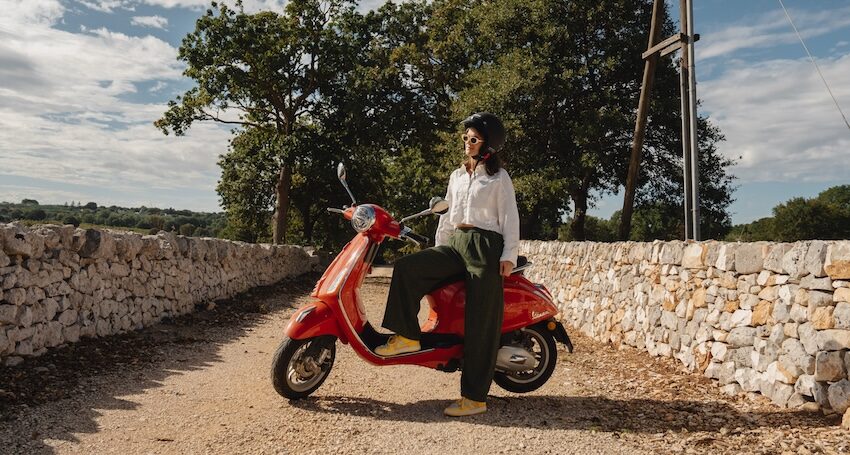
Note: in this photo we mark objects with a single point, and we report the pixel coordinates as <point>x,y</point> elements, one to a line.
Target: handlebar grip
<point>421,239</point>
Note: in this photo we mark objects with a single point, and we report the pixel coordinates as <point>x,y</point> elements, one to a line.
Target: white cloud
<point>35,12</point>
<point>65,116</point>
<point>108,6</point>
<point>779,118</point>
<point>150,21</point>
<point>770,29</point>
<point>250,5</point>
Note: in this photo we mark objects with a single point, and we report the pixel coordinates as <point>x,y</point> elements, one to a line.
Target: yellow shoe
<point>398,345</point>
<point>465,407</point>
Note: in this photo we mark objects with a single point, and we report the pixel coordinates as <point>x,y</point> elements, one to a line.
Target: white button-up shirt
<point>484,201</point>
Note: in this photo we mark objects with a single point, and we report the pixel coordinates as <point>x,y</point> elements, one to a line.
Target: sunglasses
<point>471,139</point>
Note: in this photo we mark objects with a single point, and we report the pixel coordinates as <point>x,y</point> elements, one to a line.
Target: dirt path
<point>200,384</point>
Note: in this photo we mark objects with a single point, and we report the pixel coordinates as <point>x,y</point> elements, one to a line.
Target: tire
<point>299,367</point>
<point>541,342</point>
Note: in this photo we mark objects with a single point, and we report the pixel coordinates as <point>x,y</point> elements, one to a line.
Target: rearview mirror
<point>340,172</point>
<point>438,205</point>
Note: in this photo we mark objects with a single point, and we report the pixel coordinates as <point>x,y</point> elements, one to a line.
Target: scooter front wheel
<point>299,367</point>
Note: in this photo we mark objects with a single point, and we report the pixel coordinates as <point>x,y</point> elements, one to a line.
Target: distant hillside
<point>139,219</point>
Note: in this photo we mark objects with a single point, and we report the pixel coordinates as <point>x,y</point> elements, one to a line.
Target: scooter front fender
<point>312,320</point>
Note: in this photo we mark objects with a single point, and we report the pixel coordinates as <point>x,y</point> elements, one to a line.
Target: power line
<point>815,63</point>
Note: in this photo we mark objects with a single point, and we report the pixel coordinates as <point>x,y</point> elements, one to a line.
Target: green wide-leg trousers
<point>476,253</point>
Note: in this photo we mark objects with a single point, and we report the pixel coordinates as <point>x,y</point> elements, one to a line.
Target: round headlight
<point>363,218</point>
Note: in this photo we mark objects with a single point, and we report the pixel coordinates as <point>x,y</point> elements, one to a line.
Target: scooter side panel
<point>312,320</point>
<point>524,306</point>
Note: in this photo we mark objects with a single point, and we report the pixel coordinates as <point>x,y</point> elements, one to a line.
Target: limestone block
<point>741,318</point>
<point>773,260</point>
<point>784,370</point>
<point>839,396</point>
<point>68,317</point>
<point>822,318</point>
<point>781,312</point>
<point>782,394</point>
<point>4,259</point>
<point>13,241</point>
<point>793,349</point>
<point>833,340</point>
<point>71,334</point>
<point>838,261</point>
<point>8,314</point>
<point>770,293</point>
<point>829,366</point>
<point>841,295</point>
<point>16,296</point>
<point>95,244</point>
<point>748,301</point>
<point>790,329</point>
<point>845,421</point>
<point>799,313</point>
<point>809,337</point>
<point>741,336</point>
<point>693,256</point>
<point>761,313</point>
<point>726,257</point>
<point>816,257</point>
<point>748,378</point>
<point>815,283</point>
<point>671,253</point>
<point>793,262</point>
<point>805,385</point>
<point>749,257</point>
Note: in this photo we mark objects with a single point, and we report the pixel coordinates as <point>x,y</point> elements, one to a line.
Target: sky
<point>81,82</point>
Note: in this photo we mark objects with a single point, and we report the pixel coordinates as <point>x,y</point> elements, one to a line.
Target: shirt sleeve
<point>509,220</point>
<point>444,227</point>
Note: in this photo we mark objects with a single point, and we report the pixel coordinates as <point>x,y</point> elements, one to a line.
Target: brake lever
<point>335,210</point>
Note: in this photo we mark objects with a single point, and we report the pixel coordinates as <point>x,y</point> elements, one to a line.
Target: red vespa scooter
<point>526,358</point>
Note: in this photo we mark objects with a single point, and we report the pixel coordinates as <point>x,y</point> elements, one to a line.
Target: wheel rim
<point>310,363</point>
<point>534,343</point>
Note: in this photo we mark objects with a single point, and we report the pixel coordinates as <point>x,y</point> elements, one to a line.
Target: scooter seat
<point>522,264</point>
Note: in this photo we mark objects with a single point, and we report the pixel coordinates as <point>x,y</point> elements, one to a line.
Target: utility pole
<point>640,123</point>
<point>683,40</point>
<point>692,91</point>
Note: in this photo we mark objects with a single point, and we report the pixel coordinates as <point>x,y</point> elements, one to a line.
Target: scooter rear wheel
<point>299,367</point>
<point>541,343</point>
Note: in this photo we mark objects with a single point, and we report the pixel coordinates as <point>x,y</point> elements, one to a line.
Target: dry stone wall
<point>59,284</point>
<point>772,318</point>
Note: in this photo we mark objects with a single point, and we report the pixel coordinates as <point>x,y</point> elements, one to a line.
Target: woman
<point>478,236</point>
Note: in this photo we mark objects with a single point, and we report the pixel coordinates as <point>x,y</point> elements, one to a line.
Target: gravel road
<point>200,384</point>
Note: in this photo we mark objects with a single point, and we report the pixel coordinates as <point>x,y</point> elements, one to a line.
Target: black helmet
<point>490,127</point>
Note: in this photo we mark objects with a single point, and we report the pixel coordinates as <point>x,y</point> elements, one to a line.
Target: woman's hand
<point>505,268</point>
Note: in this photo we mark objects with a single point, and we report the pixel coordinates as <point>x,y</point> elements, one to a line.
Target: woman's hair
<point>492,164</point>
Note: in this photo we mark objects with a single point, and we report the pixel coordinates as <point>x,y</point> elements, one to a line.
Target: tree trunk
<point>307,218</point>
<point>281,215</point>
<point>577,226</point>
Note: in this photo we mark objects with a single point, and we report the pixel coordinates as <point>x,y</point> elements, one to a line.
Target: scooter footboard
<point>312,320</point>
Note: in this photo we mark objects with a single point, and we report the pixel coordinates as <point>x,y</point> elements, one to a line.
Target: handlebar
<point>407,234</point>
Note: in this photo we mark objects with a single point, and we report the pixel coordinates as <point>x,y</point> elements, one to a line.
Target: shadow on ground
<point>142,359</point>
<point>577,413</point>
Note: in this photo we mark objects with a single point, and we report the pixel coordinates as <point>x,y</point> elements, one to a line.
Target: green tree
<point>187,229</point>
<point>267,67</point>
<point>566,77</point>
<point>29,202</point>
<point>837,196</point>
<point>806,219</point>
<point>36,214</point>
<point>249,172</point>
<point>71,219</point>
